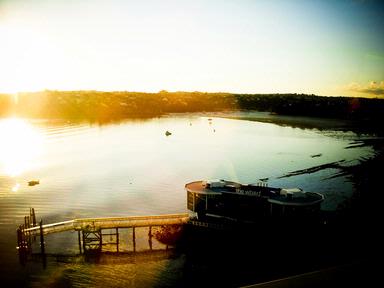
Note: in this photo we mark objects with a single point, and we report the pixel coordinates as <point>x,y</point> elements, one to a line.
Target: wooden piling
<point>101,240</point>
<point>82,232</point>
<point>42,244</point>
<point>22,227</point>
<point>33,217</point>
<point>150,237</point>
<point>79,238</point>
<point>134,239</point>
<point>20,246</point>
<point>117,240</point>
<point>31,212</point>
<point>33,221</point>
<point>19,238</point>
<point>28,235</point>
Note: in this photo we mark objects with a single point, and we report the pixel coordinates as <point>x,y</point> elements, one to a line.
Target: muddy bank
<point>360,126</point>
<point>332,165</point>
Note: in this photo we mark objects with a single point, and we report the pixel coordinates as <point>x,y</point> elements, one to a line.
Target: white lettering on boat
<point>248,192</point>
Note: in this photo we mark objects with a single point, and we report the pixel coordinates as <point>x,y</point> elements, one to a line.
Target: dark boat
<point>250,201</point>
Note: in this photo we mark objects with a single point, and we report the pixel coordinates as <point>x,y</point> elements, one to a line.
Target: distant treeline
<point>104,106</point>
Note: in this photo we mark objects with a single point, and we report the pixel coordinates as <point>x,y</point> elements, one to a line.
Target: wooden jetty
<point>90,230</point>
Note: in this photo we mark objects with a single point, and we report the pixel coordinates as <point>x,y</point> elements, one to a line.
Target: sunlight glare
<point>20,146</point>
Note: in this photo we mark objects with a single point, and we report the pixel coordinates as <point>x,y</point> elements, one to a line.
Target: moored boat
<point>249,201</point>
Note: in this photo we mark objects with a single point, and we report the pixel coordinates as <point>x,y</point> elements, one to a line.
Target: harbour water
<point>133,168</point>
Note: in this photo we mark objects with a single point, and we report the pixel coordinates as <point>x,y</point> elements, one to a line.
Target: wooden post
<point>33,217</point>
<point>20,240</point>
<point>29,237</point>
<point>79,237</point>
<point>134,239</point>
<point>20,246</point>
<point>82,231</point>
<point>101,240</point>
<point>33,220</point>
<point>42,244</point>
<point>18,233</point>
<point>22,227</point>
<point>150,237</point>
<point>117,240</point>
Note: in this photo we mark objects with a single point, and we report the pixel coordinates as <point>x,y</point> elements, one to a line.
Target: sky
<point>324,47</point>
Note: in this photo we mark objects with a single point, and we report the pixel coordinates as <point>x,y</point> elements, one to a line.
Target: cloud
<point>373,88</point>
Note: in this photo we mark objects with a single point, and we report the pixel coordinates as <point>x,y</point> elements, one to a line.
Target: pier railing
<point>109,223</point>
<point>50,228</point>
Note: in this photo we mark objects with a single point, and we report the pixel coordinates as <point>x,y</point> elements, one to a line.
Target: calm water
<point>133,168</point>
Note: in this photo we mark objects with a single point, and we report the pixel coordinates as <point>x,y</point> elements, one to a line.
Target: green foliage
<point>108,106</point>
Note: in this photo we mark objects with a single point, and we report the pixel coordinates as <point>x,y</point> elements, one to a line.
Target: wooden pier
<point>90,230</point>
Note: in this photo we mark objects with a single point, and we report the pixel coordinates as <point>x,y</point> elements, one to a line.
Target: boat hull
<point>249,202</point>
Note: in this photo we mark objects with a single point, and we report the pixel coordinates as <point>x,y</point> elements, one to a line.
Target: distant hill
<point>106,106</point>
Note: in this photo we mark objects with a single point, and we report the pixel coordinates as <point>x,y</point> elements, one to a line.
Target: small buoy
<point>33,182</point>
<point>167,133</point>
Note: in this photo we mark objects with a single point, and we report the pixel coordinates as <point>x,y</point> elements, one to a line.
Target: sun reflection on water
<point>20,146</point>
<point>16,187</point>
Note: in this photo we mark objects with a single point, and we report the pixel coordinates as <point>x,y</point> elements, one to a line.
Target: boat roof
<point>201,187</point>
<point>308,199</point>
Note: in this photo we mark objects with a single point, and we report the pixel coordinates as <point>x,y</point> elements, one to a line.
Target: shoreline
<point>109,106</point>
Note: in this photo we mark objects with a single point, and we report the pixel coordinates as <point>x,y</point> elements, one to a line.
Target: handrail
<point>52,225</point>
<point>132,218</point>
<point>109,222</point>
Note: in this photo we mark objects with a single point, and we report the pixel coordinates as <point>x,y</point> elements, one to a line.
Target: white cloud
<point>373,88</point>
